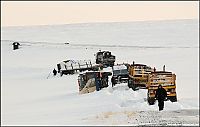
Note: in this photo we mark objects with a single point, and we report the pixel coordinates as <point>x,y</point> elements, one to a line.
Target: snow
<point>76,64</point>
<point>119,67</point>
<point>29,98</point>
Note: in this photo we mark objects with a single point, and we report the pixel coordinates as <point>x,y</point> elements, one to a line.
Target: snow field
<point>29,98</point>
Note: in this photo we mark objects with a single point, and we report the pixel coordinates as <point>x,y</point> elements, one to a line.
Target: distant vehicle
<point>120,74</point>
<point>167,80</point>
<point>66,43</point>
<point>93,80</point>
<point>71,66</point>
<point>105,58</point>
<point>15,45</point>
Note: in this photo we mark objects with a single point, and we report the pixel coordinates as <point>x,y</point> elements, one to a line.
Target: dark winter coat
<point>54,72</point>
<point>161,94</point>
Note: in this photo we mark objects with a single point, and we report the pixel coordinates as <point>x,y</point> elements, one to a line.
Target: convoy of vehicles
<point>136,76</point>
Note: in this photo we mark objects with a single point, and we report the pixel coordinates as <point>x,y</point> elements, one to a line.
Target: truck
<point>71,66</point>
<point>120,74</point>
<point>167,80</point>
<point>105,58</point>
<point>92,80</point>
<point>139,76</point>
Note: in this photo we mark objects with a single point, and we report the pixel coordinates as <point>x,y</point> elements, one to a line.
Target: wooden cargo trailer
<point>167,80</point>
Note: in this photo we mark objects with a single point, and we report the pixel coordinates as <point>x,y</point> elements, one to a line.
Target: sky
<point>19,13</point>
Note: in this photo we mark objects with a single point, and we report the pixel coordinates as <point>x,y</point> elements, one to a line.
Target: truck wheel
<point>129,83</point>
<point>173,99</point>
<point>97,62</point>
<point>135,87</point>
<point>129,86</point>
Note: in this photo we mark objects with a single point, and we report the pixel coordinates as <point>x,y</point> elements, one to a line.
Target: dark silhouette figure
<point>161,94</point>
<point>113,81</point>
<point>164,68</point>
<point>54,72</point>
<point>154,69</point>
<point>15,45</point>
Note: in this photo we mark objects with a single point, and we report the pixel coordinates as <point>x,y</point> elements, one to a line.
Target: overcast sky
<point>52,12</point>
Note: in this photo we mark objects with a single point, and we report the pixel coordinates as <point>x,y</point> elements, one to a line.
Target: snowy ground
<point>29,98</point>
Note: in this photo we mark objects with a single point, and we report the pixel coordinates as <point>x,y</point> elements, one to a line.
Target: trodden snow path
<point>154,118</point>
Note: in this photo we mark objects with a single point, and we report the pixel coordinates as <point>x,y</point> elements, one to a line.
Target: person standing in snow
<point>164,68</point>
<point>54,72</point>
<point>154,69</point>
<point>113,81</point>
<point>161,94</point>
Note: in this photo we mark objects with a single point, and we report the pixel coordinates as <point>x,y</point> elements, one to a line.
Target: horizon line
<point>98,22</point>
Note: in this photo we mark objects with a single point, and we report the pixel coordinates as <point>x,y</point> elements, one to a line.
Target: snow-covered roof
<point>119,67</point>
